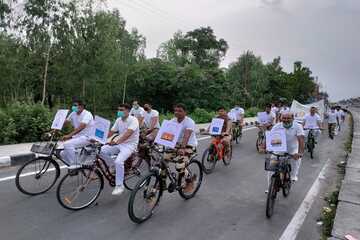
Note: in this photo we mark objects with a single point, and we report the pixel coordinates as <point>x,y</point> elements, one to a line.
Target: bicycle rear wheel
<point>37,176</point>
<point>208,161</point>
<point>271,197</point>
<point>79,188</point>
<point>191,181</point>
<point>144,198</point>
<point>139,168</point>
<point>228,156</point>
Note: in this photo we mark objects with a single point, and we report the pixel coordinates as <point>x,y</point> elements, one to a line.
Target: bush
<point>7,129</point>
<point>200,115</point>
<point>252,112</point>
<point>30,120</point>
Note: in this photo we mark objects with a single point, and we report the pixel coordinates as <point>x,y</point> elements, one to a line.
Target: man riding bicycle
<point>151,122</point>
<point>187,141</point>
<point>82,122</point>
<point>138,112</point>
<point>237,115</point>
<point>128,129</point>
<point>312,121</point>
<point>333,120</point>
<point>294,140</point>
<point>226,129</point>
<point>270,119</point>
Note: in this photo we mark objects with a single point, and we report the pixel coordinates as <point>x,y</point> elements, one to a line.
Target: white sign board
<point>300,110</point>
<point>276,140</point>
<point>262,117</point>
<point>168,134</point>
<point>59,119</point>
<point>101,129</point>
<point>216,126</point>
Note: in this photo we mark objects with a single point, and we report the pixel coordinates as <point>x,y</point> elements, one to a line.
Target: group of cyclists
<point>131,120</point>
<point>138,126</point>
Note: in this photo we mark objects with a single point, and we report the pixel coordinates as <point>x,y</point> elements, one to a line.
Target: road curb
<point>16,159</point>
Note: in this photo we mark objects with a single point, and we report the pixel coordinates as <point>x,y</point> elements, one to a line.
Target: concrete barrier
<point>347,220</point>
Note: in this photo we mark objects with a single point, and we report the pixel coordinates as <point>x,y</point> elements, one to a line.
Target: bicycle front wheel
<point>139,168</point>
<point>228,156</point>
<point>271,197</point>
<point>191,180</point>
<point>79,188</point>
<point>208,161</point>
<point>37,176</point>
<point>144,198</point>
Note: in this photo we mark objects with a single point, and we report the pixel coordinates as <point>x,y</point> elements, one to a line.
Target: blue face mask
<point>74,108</point>
<point>120,114</point>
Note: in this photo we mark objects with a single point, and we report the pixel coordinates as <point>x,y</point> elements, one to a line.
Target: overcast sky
<point>323,34</point>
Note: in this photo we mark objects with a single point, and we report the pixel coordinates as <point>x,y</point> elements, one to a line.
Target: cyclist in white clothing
<point>82,122</point>
<point>294,141</point>
<point>128,129</point>
<point>312,121</point>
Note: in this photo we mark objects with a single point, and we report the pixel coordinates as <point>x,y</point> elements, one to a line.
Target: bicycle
<point>71,191</point>
<point>35,177</point>
<point>310,143</point>
<point>150,188</point>
<point>260,141</point>
<point>236,132</point>
<point>280,179</point>
<point>214,153</point>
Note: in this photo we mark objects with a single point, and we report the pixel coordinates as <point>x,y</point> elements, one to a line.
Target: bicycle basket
<point>271,164</point>
<point>45,148</point>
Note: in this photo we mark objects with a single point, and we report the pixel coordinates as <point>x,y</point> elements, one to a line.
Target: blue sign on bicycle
<point>216,126</point>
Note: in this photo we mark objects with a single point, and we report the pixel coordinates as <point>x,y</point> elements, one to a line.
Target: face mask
<point>74,108</point>
<point>120,114</point>
<point>136,106</point>
<point>287,125</point>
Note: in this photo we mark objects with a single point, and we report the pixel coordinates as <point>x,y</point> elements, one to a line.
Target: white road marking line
<point>298,219</point>
<point>27,174</point>
<point>53,169</point>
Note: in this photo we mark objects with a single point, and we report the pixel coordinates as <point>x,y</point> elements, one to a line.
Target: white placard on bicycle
<point>276,140</point>
<point>216,126</point>
<point>168,134</point>
<point>101,129</point>
<point>59,119</point>
<point>262,117</point>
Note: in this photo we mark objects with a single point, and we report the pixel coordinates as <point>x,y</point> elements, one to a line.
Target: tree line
<point>53,50</point>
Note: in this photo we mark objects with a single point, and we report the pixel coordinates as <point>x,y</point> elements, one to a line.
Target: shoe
<point>294,179</point>
<point>118,190</point>
<point>266,191</point>
<point>74,166</point>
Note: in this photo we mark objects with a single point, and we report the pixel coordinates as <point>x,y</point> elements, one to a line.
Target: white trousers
<point>295,167</point>
<point>123,152</point>
<point>68,154</point>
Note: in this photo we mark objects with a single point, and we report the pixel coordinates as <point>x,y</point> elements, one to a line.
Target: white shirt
<point>84,117</point>
<point>284,110</point>
<point>121,126</point>
<point>270,118</point>
<point>189,124</point>
<point>274,110</point>
<point>292,135</point>
<point>140,112</point>
<point>236,113</point>
<point>332,117</point>
<point>148,116</point>
<point>311,121</point>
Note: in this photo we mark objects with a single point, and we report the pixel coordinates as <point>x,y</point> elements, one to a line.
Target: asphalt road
<point>229,205</point>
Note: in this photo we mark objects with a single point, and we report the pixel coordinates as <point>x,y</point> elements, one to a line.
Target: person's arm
<point>124,137</point>
<point>185,140</point>
<point>242,116</point>
<point>75,131</point>
<point>228,127</point>
<point>154,121</point>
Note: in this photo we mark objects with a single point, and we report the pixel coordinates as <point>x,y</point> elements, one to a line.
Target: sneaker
<point>74,166</point>
<point>294,179</point>
<point>266,191</point>
<point>118,190</point>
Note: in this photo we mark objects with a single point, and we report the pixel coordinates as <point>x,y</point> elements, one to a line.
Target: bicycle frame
<point>218,146</point>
